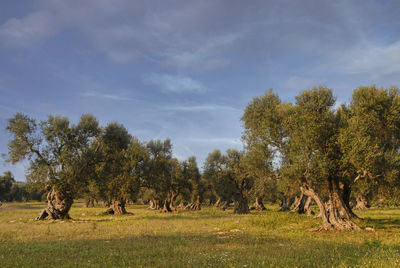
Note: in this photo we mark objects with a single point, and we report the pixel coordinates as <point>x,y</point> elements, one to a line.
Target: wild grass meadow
<point>208,238</point>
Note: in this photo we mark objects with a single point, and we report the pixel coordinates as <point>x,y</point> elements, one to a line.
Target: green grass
<point>209,238</point>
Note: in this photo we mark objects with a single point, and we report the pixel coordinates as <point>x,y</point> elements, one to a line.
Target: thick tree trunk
<point>217,203</point>
<point>362,202</point>
<point>334,214</point>
<point>241,204</point>
<point>117,207</point>
<point>302,204</point>
<point>155,204</point>
<point>285,204</point>
<point>195,205</point>
<point>346,191</point>
<point>258,204</point>
<point>58,206</point>
<point>166,206</point>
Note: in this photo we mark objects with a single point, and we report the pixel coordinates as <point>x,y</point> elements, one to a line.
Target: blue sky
<point>185,69</point>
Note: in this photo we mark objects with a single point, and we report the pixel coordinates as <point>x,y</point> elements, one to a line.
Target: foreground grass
<point>209,238</point>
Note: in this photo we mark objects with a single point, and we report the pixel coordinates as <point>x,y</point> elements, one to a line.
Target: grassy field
<point>209,238</point>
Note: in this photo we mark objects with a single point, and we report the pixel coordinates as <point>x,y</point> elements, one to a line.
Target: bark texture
<point>117,207</point>
<point>258,204</point>
<point>334,214</point>
<point>58,206</point>
<point>241,204</point>
<point>302,204</point>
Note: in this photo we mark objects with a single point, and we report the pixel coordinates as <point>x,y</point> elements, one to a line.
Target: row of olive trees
<point>101,163</point>
<point>309,148</point>
<point>11,190</point>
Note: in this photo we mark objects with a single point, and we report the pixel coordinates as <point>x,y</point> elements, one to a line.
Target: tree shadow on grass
<point>215,249</point>
<point>382,224</point>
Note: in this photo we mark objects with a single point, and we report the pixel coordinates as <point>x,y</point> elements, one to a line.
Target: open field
<point>209,238</point>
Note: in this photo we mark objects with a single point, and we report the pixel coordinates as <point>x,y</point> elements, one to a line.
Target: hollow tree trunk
<point>58,206</point>
<point>362,202</point>
<point>334,214</point>
<point>258,204</point>
<point>241,204</point>
<point>285,204</point>
<point>346,191</point>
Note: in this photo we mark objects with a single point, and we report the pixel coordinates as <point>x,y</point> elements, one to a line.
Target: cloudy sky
<point>185,69</point>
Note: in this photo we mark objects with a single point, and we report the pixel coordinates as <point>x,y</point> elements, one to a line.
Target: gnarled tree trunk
<point>117,207</point>
<point>241,204</point>
<point>334,213</point>
<point>58,205</point>
<point>362,202</point>
<point>302,204</point>
<point>216,204</point>
<point>195,205</point>
<point>154,204</point>
<point>258,204</point>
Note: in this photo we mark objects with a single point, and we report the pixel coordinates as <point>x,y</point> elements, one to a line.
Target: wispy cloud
<point>28,30</point>
<point>105,96</point>
<point>208,56</point>
<point>201,108</point>
<point>371,59</point>
<point>174,83</point>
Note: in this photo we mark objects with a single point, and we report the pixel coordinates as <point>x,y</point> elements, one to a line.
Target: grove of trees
<point>311,151</point>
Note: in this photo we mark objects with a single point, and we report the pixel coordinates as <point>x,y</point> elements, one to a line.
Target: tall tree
<point>121,166</point>
<point>59,155</point>
<point>230,177</point>
<point>370,142</point>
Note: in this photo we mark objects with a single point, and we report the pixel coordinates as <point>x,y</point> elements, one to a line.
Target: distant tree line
<point>308,152</point>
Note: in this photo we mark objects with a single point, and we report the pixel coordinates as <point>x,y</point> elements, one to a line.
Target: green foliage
<point>57,150</point>
<point>6,183</point>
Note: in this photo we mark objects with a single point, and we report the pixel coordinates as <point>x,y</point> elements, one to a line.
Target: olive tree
<point>59,155</point>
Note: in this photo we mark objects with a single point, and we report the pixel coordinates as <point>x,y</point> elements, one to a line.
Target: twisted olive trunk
<point>302,204</point>
<point>58,205</point>
<point>334,213</point>
<point>241,204</point>
<point>117,207</point>
<point>258,204</point>
<point>195,205</point>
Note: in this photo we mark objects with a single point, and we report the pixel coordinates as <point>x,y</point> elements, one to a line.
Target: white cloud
<point>28,30</point>
<point>174,83</point>
<point>371,59</point>
<point>105,96</point>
